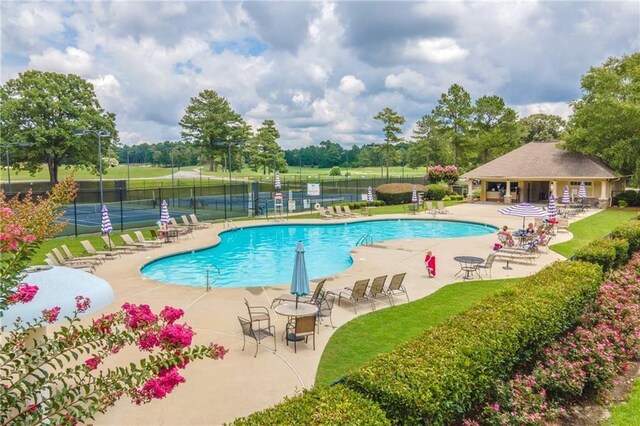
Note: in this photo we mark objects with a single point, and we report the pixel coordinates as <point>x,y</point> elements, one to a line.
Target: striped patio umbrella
<point>552,210</point>
<point>414,195</point>
<point>105,224</point>
<point>565,195</point>
<point>369,195</point>
<point>276,182</point>
<point>582,191</point>
<point>300,279</point>
<point>164,213</point>
<point>523,210</point>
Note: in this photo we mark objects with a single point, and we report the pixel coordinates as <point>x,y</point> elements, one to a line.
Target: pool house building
<point>536,169</point>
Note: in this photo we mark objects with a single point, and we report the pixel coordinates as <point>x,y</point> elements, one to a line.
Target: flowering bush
<point>61,379</point>
<point>581,363</point>
<point>439,173</point>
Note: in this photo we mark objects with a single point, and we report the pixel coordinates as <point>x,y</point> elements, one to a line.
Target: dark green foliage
<point>631,197</point>
<point>435,192</point>
<point>359,204</point>
<point>335,171</point>
<point>447,371</point>
<point>606,252</point>
<point>337,405</point>
<point>629,231</point>
<point>397,193</point>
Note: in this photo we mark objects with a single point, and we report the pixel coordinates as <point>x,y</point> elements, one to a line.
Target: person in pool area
<point>430,263</point>
<point>530,229</point>
<point>505,236</point>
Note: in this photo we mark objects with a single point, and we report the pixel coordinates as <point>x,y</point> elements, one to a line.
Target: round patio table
<point>468,265</point>
<point>290,309</point>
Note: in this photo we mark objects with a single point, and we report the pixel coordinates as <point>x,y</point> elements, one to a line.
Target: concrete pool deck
<point>219,391</point>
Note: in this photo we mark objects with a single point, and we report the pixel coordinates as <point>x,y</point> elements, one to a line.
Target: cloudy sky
<point>321,70</point>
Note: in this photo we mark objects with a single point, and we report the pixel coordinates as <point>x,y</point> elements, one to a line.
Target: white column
<point>604,193</point>
<point>470,191</point>
<point>507,195</point>
<point>554,188</point>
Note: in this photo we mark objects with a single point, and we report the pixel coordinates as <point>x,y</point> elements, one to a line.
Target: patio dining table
<point>468,265</point>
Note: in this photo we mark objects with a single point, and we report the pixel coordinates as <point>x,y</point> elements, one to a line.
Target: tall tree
<point>541,127</point>
<point>391,129</point>
<point>606,120</point>
<point>263,149</point>
<point>211,124</point>
<point>495,127</point>
<point>428,146</point>
<point>453,115</point>
<point>42,109</point>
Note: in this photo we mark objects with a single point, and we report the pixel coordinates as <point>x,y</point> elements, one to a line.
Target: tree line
<point>45,111</point>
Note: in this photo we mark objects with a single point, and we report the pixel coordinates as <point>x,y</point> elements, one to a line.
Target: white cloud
<point>351,85</point>
<point>72,60</point>
<point>563,109</point>
<point>436,50</point>
<point>408,79</point>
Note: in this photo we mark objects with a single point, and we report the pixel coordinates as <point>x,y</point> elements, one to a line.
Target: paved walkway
<point>219,391</point>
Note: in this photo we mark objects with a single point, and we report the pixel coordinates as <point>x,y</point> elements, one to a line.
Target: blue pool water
<point>264,255</point>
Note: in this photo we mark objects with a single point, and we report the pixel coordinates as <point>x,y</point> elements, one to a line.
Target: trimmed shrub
<point>359,204</point>
<point>320,406</point>
<point>629,231</point>
<point>606,252</point>
<point>439,376</point>
<point>435,192</point>
<point>630,197</point>
<point>397,193</point>
<point>335,171</point>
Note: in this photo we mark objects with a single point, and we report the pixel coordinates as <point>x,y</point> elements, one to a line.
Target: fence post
<point>224,192</point>
<point>230,196</point>
<point>121,213</point>
<point>75,215</point>
<point>195,197</point>
<point>160,200</point>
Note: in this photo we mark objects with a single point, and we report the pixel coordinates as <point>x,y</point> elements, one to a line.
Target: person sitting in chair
<point>541,239</point>
<point>530,229</point>
<point>504,236</point>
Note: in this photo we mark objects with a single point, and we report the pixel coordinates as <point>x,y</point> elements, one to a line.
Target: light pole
<point>128,174</point>
<point>7,145</point>
<point>100,134</point>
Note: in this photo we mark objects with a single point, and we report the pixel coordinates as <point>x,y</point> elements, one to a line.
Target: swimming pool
<point>264,255</point>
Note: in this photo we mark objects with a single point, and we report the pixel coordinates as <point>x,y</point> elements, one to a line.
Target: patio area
<point>218,392</point>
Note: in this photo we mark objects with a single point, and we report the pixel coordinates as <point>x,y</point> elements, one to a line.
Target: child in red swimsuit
<point>430,263</point>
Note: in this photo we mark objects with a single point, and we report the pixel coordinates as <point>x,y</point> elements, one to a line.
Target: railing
<point>365,240</point>
<point>229,224</point>
<point>209,283</point>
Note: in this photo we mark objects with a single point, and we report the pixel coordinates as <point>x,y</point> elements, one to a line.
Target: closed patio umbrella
<point>276,181</point>
<point>565,195</point>
<point>523,210</point>
<point>300,279</point>
<point>105,224</point>
<point>164,213</point>
<point>414,195</point>
<point>369,195</point>
<point>552,210</point>
<point>582,191</point>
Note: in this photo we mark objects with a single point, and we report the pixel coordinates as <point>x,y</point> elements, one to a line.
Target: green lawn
<point>366,336</point>
<point>395,209</point>
<point>591,228</point>
<point>119,172</point>
<point>627,413</point>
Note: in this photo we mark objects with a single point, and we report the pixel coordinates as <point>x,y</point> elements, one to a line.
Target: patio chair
<point>256,333</point>
<point>441,208</point>
<point>258,314</point>
<point>185,222</point>
<point>332,212</point>
<point>71,263</point>
<point>325,307</point>
<point>348,211</point>
<point>355,294</point>
<point>88,248</point>
<point>396,287</point>
<point>302,329</point>
<point>52,261</point>
<point>377,289</point>
<point>313,299</point>
<point>128,241</point>
<point>342,212</point>
<point>197,223</point>
<point>486,266</point>
<point>70,256</point>
<point>324,214</point>
<point>182,229</point>
<point>428,207</point>
<point>108,242</point>
<point>141,239</point>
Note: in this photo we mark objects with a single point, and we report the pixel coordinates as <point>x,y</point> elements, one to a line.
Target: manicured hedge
<point>630,231</point>
<point>606,252</point>
<point>397,193</point>
<point>320,406</point>
<point>630,196</point>
<point>438,377</point>
<point>435,192</point>
<point>359,204</point>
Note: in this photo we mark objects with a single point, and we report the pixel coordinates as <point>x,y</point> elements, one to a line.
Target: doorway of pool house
<point>535,192</point>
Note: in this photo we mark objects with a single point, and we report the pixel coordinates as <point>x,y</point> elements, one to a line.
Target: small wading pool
<point>264,255</point>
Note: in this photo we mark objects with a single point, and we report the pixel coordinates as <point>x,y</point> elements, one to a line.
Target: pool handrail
<point>210,284</point>
<point>365,240</point>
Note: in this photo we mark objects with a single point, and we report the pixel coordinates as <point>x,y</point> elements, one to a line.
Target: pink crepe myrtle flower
<point>175,336</point>
<point>82,303</point>
<point>158,387</point>
<point>24,293</point>
<point>148,341</point>
<point>171,315</point>
<point>51,315</point>
<point>93,362</point>
<point>138,316</point>
<point>103,325</point>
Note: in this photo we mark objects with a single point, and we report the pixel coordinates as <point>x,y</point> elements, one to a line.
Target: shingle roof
<point>542,160</point>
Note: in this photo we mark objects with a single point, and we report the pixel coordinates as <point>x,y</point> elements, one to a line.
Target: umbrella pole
<point>296,301</point>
